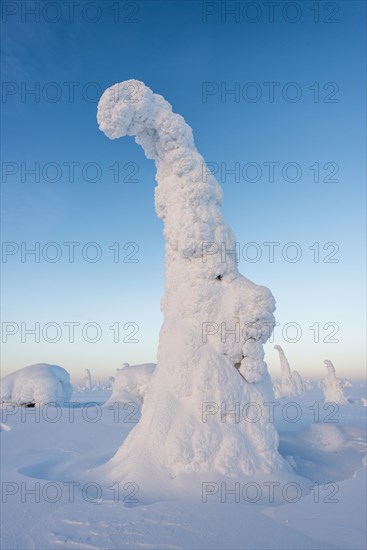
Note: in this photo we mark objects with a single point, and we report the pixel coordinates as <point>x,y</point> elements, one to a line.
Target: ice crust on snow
<point>171,437</point>
<point>37,384</point>
<point>131,384</point>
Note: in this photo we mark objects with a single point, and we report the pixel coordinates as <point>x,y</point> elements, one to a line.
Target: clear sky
<point>299,86</point>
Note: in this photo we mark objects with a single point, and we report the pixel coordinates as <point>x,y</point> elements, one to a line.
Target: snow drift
<point>36,384</point>
<point>200,363</point>
<point>131,384</point>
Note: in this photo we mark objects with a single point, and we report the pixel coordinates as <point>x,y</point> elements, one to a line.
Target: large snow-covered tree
<point>210,354</point>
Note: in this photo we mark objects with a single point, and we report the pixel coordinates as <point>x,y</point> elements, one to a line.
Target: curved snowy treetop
<point>186,198</point>
<point>187,194</point>
<point>132,109</point>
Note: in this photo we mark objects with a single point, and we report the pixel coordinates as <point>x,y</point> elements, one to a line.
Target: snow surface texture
<point>131,384</point>
<point>39,453</point>
<point>290,384</point>
<point>36,384</point>
<point>332,386</point>
<point>49,455</point>
<point>203,292</point>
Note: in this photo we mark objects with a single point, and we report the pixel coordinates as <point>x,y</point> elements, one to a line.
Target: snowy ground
<point>52,498</point>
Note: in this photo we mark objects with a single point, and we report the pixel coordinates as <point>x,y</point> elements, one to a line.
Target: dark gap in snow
<point>237,366</point>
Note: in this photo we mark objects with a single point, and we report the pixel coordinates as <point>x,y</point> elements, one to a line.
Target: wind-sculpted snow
<point>37,384</point>
<point>332,386</point>
<point>194,369</point>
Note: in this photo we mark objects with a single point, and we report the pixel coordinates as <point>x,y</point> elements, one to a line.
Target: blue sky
<point>177,48</point>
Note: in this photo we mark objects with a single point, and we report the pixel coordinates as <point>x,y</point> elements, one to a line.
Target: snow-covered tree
<point>277,388</point>
<point>297,379</point>
<point>288,385</point>
<point>88,379</point>
<point>201,364</point>
<point>36,384</point>
<point>332,386</point>
<point>131,384</point>
<point>123,366</point>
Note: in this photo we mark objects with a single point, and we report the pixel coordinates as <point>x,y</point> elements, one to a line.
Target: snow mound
<point>4,427</point>
<point>131,384</point>
<point>327,437</point>
<point>36,384</point>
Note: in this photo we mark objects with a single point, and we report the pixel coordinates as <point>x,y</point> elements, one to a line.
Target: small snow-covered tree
<point>277,388</point>
<point>88,379</point>
<point>111,380</point>
<point>201,365</point>
<point>131,384</point>
<point>307,385</point>
<point>332,386</point>
<point>288,385</point>
<point>297,379</point>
